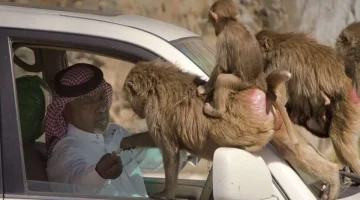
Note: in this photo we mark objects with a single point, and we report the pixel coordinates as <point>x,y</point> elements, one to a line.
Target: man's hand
<point>127,143</point>
<point>109,166</point>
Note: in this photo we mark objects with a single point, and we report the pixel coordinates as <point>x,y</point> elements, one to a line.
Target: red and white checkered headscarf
<point>55,124</point>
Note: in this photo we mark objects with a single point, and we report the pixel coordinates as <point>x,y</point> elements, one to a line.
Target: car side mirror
<point>238,174</point>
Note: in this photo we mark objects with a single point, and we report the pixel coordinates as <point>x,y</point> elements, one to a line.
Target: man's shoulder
<point>66,146</point>
<point>115,128</point>
<point>67,141</point>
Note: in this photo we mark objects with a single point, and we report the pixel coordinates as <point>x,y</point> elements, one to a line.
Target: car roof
<point>161,29</point>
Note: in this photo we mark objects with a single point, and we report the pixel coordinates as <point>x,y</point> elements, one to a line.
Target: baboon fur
<point>238,53</point>
<point>348,46</point>
<point>166,96</point>
<point>306,157</point>
<point>315,68</point>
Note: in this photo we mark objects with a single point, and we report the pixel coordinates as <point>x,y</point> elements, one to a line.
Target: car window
<point>198,51</point>
<point>28,56</point>
<point>33,138</point>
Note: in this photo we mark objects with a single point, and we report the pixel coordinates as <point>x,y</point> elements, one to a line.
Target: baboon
<point>348,46</point>
<point>239,60</point>
<point>316,68</point>
<point>166,96</point>
<point>238,53</point>
<point>314,115</point>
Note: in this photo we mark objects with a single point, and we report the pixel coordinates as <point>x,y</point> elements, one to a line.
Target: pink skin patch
<point>353,96</point>
<point>261,106</point>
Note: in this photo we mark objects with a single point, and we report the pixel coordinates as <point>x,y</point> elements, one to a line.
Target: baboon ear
<point>266,43</point>
<point>344,37</point>
<point>131,87</point>
<point>349,39</point>
<point>214,16</point>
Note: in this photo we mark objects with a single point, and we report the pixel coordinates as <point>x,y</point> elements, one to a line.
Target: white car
<point>50,33</point>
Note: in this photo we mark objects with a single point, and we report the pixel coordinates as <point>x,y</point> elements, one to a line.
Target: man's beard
<point>101,125</point>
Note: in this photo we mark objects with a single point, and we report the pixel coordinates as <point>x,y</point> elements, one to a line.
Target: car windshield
<point>199,52</point>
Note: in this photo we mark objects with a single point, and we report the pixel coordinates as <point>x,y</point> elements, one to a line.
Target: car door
<point>13,180</point>
<point>13,160</point>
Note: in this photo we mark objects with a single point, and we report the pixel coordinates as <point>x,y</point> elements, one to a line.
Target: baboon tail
<point>274,80</point>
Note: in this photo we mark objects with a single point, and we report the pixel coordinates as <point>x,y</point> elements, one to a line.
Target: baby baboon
<point>166,97</point>
<point>238,53</point>
<point>316,68</point>
<point>239,61</point>
<point>315,116</point>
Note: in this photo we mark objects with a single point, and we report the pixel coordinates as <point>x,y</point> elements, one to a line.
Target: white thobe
<point>74,158</point>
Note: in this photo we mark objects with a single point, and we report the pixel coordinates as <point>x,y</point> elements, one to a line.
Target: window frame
<point>13,177</point>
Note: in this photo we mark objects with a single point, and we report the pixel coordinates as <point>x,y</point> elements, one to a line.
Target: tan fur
<point>238,53</point>
<point>293,51</point>
<point>166,96</point>
<point>306,157</point>
<point>348,46</point>
<point>316,68</point>
<point>303,155</point>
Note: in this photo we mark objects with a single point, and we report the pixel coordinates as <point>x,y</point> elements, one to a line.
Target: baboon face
<point>348,44</point>
<point>136,103</point>
<point>132,93</point>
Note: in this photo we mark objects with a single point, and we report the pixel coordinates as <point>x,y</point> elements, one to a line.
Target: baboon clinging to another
<point>316,68</point>
<point>238,53</point>
<point>164,95</point>
<point>315,118</point>
<point>239,61</point>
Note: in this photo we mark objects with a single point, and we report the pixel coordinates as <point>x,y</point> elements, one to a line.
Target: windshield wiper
<point>347,172</point>
<point>355,178</point>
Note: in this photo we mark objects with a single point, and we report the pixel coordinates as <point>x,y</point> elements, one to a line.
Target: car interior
<point>49,61</point>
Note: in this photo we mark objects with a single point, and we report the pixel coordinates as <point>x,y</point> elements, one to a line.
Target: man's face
<point>90,114</point>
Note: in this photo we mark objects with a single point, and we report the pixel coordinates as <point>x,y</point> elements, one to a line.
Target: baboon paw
<point>324,193</point>
<point>201,90</point>
<point>253,148</point>
<point>324,197</point>
<point>161,195</point>
<point>209,110</point>
<point>327,102</point>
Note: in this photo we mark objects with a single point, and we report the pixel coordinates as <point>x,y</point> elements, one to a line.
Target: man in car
<point>81,144</point>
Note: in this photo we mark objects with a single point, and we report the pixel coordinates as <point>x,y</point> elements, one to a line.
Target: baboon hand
<point>161,195</point>
<point>127,144</point>
<point>201,90</point>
